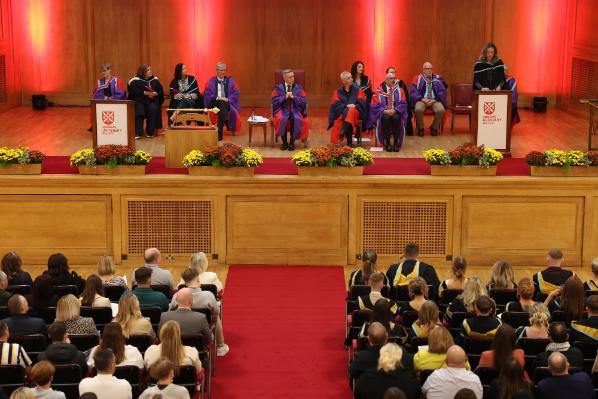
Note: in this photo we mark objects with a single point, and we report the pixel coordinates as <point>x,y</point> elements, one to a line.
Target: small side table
<point>264,126</point>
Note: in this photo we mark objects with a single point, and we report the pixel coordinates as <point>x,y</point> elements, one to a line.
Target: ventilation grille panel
<point>3,84</point>
<point>388,226</point>
<point>175,227</point>
<point>584,80</point>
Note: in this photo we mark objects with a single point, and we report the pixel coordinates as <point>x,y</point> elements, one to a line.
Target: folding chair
<point>486,374</point>
<point>101,316</point>
<point>408,318</point>
<point>515,319</point>
<point>163,288</point>
<point>449,296</point>
<point>11,377</point>
<point>414,343</point>
<point>48,314</point>
<point>153,313</point>
<point>133,375</point>
<point>589,350</point>
<point>33,344</point>
<point>62,290</point>
<point>114,292</point>
<point>84,342</point>
<point>66,379</point>
<point>4,313</point>
<point>19,289</point>
<point>502,296</point>
<point>212,322</point>
<point>197,342</point>
<point>140,341</point>
<point>474,346</point>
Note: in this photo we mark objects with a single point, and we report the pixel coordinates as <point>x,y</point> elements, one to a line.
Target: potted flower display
<point>332,160</point>
<point>20,161</point>
<point>110,160</point>
<point>562,163</point>
<point>226,160</point>
<point>464,160</point>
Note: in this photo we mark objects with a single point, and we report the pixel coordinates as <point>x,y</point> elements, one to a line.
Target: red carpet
<point>284,166</point>
<point>284,326</point>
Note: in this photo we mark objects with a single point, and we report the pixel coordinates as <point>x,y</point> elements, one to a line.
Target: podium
<point>180,140</point>
<point>113,122</point>
<point>492,119</point>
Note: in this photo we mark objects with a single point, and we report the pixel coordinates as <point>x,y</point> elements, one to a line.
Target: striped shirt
<point>13,354</point>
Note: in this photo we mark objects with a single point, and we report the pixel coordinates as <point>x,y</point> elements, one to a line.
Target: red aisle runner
<point>284,326</point>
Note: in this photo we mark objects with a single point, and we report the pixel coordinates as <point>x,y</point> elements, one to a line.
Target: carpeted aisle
<point>284,326</point>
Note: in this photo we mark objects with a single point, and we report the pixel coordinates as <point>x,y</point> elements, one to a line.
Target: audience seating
<point>589,350</point>
<point>114,292</point>
<point>197,342</point>
<point>211,288</point>
<point>415,342</point>
<point>400,294</point>
<point>140,341</point>
<point>33,344</point>
<point>163,288</point>
<point>543,372</point>
<point>101,316</point>
<point>357,291</point>
<point>515,319</point>
<point>48,314</point>
<point>408,318</point>
<point>19,289</point>
<point>11,378</point>
<point>132,374</point>
<point>590,293</point>
<point>457,319</point>
<point>62,290</point>
<point>189,378</point>
<point>449,296</point>
<point>462,102</point>
<point>84,342</point>
<point>66,379</point>
<point>153,313</point>
<point>4,313</point>
<point>502,296</point>
<point>486,374</point>
<point>474,346</point>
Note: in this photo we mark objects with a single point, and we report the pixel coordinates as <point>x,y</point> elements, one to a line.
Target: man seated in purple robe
<point>289,103</point>
<point>511,84</point>
<point>389,111</point>
<point>222,92</point>
<point>428,91</point>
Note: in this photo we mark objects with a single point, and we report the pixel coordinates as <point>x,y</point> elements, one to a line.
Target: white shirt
<point>208,278</point>
<point>106,387</point>
<point>220,88</point>
<point>171,391</point>
<point>445,383</point>
<point>132,357</point>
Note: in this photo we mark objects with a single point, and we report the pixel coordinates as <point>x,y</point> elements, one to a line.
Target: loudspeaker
<point>39,102</point>
<point>540,104</point>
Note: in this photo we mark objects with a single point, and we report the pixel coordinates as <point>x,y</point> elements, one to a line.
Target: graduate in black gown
<point>363,82</point>
<point>184,91</point>
<point>488,71</point>
<point>147,92</point>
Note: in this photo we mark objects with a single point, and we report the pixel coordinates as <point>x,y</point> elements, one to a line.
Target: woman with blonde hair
<point>525,292</point>
<point>501,276</point>
<point>539,321</point>
<point>107,272</point>
<point>199,261</point>
<point>418,292</point>
<point>439,341</point>
<point>372,384</point>
<point>22,393</point>
<point>130,318</point>
<point>474,288</point>
<point>427,320</point>
<point>68,310</point>
<point>170,347</point>
<point>457,281</point>
<point>362,275</point>
<point>591,285</point>
<point>113,339</point>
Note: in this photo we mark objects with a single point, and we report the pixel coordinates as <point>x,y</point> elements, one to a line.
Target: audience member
<point>12,266</point>
<point>42,294</point>
<point>484,323</point>
<point>511,382</point>
<point>501,276</point>
<point>525,292</point>
<point>465,302</point>
<point>170,347</point>
<point>22,393</point>
<point>503,348</point>
<point>163,372</point>
<point>19,322</point>
<point>402,273</point>
<point>587,329</point>
<point>107,272</point>
<point>93,294</point>
<point>394,393</point>
<point>465,393</point>
<point>190,322</point>
<point>68,310</point>
<point>11,353</point>
<point>58,270</point>
<point>159,276</point>
<point>204,300</point>
<point>368,267</point>
<point>88,395</point>
<point>562,384</point>
<point>148,297</point>
<point>428,319</point>
<point>591,284</point>
<point>42,374</point>
<point>445,382</point>
<point>61,351</point>
<point>458,279</point>
<point>376,283</point>
<point>418,292</point>
<point>384,312</point>
<point>368,358</point>
<point>130,318</point>
<point>199,261</point>
<point>539,321</point>
<point>105,385</point>
<point>553,276</point>
<point>4,295</point>
<point>113,339</point>
<point>434,357</point>
<point>570,299</point>
<point>372,384</point>
<point>559,338</point>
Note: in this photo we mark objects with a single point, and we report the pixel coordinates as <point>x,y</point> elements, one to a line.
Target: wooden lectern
<point>593,130</point>
<point>113,122</point>
<point>492,119</point>
<point>180,140</point>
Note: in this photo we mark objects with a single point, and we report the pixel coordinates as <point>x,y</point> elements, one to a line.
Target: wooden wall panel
<point>80,226</point>
<point>586,16</point>
<point>498,227</point>
<point>308,230</point>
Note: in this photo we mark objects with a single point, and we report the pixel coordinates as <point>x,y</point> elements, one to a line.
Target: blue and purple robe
<point>379,104</point>
<point>114,89</point>
<point>339,112</point>
<point>283,107</point>
<point>232,94</point>
<point>511,84</point>
<point>418,89</point>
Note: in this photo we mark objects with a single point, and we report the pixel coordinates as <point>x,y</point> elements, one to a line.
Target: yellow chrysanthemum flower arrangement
<point>194,158</point>
<point>490,157</point>
<point>435,156</point>
<point>556,158</point>
<point>251,158</point>
<point>85,157</point>
<point>304,158</point>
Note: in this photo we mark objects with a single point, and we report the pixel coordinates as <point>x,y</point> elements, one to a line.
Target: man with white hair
<point>428,91</point>
<point>159,276</point>
<point>222,92</point>
<point>347,109</point>
<point>4,295</point>
<point>562,384</point>
<point>389,110</point>
<point>289,104</point>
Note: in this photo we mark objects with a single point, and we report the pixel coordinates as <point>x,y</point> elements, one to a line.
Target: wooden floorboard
<point>63,130</point>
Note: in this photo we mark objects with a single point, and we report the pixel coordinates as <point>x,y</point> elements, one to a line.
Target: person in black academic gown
<point>488,71</point>
<point>184,91</point>
<point>147,92</point>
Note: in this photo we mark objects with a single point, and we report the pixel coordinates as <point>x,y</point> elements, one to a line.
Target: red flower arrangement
<point>593,157</point>
<point>466,154</point>
<point>323,154</point>
<point>108,154</point>
<point>36,156</point>
<point>225,156</point>
<point>536,158</point>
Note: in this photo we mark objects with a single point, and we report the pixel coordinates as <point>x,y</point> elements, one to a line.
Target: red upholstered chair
<point>462,102</point>
<point>300,80</point>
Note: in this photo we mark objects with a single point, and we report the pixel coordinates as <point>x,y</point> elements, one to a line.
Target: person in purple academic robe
<point>428,91</point>
<point>109,87</point>
<point>221,91</point>
<point>511,84</point>
<point>289,104</point>
<point>389,110</point>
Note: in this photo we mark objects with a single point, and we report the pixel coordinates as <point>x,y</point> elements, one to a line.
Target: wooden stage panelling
<point>299,220</point>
